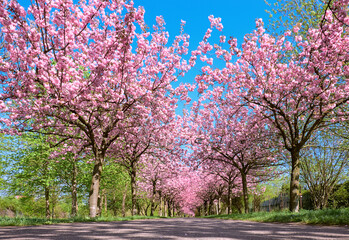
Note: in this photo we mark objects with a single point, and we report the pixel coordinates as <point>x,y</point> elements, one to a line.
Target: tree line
<point>87,96</point>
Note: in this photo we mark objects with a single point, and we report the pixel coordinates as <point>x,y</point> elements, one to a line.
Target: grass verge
<point>326,216</point>
<point>25,221</point>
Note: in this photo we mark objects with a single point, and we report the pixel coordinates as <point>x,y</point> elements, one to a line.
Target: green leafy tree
<point>115,189</point>
<point>322,165</point>
<point>31,172</point>
<point>340,196</point>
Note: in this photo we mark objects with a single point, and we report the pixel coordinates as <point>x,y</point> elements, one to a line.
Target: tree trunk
<point>124,201</point>
<point>210,203</point>
<point>133,191</point>
<point>294,184</point>
<point>165,208</point>
<point>160,205</point>
<point>138,208</point>
<point>101,201</point>
<point>244,191</point>
<point>199,211</point>
<point>205,208</point>
<point>153,199</point>
<point>95,183</point>
<point>173,209</point>
<point>53,214</point>
<point>229,197</point>
<point>99,205</point>
<point>47,201</point>
<point>217,208</point>
<point>74,198</point>
<point>168,208</point>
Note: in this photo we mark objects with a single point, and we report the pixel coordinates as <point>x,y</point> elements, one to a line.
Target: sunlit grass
<point>326,216</point>
<point>25,221</point>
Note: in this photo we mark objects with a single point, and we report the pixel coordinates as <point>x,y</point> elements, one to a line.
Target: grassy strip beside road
<point>326,216</point>
<point>24,221</point>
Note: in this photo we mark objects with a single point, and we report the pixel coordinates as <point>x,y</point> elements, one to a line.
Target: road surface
<point>178,228</point>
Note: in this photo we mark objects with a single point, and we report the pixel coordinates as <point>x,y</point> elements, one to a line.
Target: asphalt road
<point>179,228</point>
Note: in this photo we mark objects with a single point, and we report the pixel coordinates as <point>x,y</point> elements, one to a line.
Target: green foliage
<point>285,15</point>
<point>322,164</point>
<point>113,182</point>
<point>10,203</point>
<point>307,202</point>
<point>327,216</point>
<point>340,196</point>
<point>23,206</point>
<point>30,169</point>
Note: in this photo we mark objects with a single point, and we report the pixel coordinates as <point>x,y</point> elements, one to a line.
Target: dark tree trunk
<point>95,184</point>
<point>205,208</point>
<point>47,201</point>
<point>168,208</point>
<point>133,191</point>
<point>124,201</point>
<point>199,211</point>
<point>244,190</point>
<point>152,208</point>
<point>160,205</point>
<point>74,198</point>
<point>138,208</point>
<point>294,184</point>
<point>229,197</point>
<point>99,205</point>
<point>173,209</point>
<point>101,201</point>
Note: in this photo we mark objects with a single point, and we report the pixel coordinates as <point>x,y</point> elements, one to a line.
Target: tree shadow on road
<point>179,228</point>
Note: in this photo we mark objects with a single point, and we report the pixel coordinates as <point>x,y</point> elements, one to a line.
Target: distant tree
<point>322,163</point>
<point>340,196</point>
<point>31,172</point>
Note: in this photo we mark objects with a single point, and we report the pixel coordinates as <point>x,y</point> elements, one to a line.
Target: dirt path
<point>179,228</point>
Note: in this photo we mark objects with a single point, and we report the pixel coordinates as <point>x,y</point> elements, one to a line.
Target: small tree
<point>322,164</point>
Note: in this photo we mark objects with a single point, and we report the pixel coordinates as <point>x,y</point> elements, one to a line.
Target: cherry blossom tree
<point>81,71</point>
<point>226,179</point>
<point>228,133</point>
<point>295,93</point>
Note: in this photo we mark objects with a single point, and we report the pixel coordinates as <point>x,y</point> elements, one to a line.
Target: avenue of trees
<point>89,123</point>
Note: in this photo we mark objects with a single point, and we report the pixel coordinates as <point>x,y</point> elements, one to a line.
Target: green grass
<point>325,217</point>
<point>25,221</point>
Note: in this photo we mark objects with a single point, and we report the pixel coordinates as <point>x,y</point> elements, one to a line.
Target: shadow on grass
<point>27,221</point>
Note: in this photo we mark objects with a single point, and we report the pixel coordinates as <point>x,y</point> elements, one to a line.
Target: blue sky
<point>238,17</point>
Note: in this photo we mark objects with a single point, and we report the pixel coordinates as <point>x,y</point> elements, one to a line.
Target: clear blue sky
<point>238,17</point>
